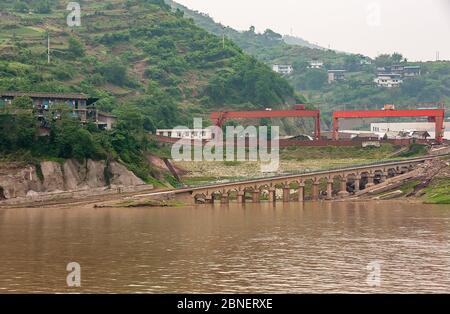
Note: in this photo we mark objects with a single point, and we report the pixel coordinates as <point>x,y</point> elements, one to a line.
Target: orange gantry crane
<point>434,115</point>
<point>220,117</point>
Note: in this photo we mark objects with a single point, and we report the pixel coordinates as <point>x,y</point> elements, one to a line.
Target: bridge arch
<point>314,185</point>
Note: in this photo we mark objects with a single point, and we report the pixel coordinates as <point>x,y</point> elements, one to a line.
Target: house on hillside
<point>105,121</point>
<point>192,134</point>
<point>411,71</point>
<point>78,105</point>
<point>388,80</point>
<point>336,75</point>
<point>284,69</point>
<point>315,64</point>
<point>397,68</point>
<point>402,70</point>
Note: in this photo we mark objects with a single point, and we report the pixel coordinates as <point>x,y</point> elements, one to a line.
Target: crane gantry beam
<point>299,111</point>
<point>434,115</point>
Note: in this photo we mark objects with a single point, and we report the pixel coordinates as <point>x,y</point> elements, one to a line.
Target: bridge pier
<point>383,177</point>
<point>209,199</point>
<point>301,192</point>
<point>357,183</point>
<point>330,189</point>
<point>343,190</point>
<point>370,182</point>
<point>241,197</point>
<point>286,193</point>
<point>315,191</point>
<point>272,195</point>
<point>255,196</point>
<point>224,199</point>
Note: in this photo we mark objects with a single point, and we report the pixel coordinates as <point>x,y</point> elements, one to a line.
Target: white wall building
<point>283,68</point>
<point>315,64</point>
<point>391,129</point>
<point>199,134</point>
<point>388,80</point>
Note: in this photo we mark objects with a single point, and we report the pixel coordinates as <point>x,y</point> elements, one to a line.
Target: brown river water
<point>260,248</point>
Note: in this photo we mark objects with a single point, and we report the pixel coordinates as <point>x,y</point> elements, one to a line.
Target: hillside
<point>241,38</point>
<point>357,91</point>
<point>148,65</point>
<point>136,52</point>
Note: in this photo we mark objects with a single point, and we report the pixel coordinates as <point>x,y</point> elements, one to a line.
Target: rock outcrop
<point>19,180</point>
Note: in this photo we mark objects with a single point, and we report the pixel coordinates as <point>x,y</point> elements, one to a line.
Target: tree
<point>130,118</point>
<point>351,63</point>
<point>179,13</point>
<point>313,79</point>
<point>43,7</point>
<point>20,6</point>
<point>270,34</point>
<point>76,48</point>
<point>383,60</point>
<point>396,57</point>
<point>22,102</point>
<point>114,72</point>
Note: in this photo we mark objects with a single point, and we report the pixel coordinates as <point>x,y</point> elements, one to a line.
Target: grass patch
<point>193,181</point>
<point>337,152</point>
<point>231,163</point>
<point>438,192</point>
<point>409,186</point>
<point>414,150</point>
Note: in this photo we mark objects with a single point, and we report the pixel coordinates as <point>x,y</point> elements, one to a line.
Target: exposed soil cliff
<point>20,180</point>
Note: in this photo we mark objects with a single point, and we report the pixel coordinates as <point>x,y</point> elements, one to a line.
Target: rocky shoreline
<point>51,180</point>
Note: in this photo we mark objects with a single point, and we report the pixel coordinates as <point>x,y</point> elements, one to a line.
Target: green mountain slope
<point>134,51</point>
<point>208,23</point>
<point>357,91</point>
<point>149,65</point>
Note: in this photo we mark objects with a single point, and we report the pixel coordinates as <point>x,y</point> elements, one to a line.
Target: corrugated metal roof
<point>46,95</point>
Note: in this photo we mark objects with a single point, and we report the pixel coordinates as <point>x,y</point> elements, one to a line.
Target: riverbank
<point>431,184</point>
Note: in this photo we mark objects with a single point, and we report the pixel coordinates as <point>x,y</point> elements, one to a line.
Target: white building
<point>199,134</point>
<point>393,129</point>
<point>315,64</point>
<point>388,80</point>
<point>283,68</point>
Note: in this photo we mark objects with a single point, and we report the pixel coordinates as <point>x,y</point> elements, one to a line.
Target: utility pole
<point>48,47</point>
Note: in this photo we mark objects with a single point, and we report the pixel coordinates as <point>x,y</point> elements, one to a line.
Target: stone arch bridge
<point>297,187</point>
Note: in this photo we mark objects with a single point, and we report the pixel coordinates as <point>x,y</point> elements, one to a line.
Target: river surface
<point>283,248</point>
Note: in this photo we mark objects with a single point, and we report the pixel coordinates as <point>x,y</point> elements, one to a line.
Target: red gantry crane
<point>219,118</point>
<point>433,115</point>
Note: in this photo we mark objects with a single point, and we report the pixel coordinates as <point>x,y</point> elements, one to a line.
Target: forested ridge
<point>357,91</point>
<point>145,62</point>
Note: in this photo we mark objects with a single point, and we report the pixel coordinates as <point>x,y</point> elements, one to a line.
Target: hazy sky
<point>415,28</point>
